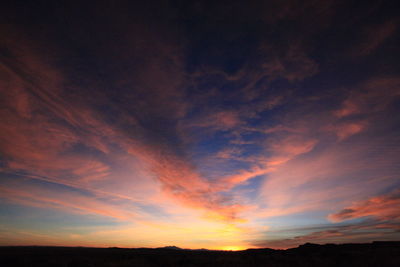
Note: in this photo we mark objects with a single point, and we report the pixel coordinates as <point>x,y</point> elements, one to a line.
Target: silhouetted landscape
<point>371,254</point>
<point>200,133</point>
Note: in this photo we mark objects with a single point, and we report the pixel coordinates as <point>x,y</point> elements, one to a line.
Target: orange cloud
<point>181,182</point>
<point>345,130</point>
<point>383,207</point>
<point>292,146</point>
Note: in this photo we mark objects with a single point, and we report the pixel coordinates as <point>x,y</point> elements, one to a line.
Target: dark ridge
<point>371,254</point>
<point>171,247</point>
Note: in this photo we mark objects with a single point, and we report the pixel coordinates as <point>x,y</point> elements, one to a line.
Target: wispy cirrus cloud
<point>72,144</point>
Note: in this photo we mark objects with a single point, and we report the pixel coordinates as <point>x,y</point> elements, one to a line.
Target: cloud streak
<point>381,207</point>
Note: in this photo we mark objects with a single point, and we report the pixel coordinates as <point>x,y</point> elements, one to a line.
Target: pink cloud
<point>370,97</point>
<point>301,186</point>
<point>297,184</point>
<point>291,146</point>
<point>66,201</point>
<point>41,148</point>
<point>347,129</point>
<point>384,207</point>
<point>181,182</point>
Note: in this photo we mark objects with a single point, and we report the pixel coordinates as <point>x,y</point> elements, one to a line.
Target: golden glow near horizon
<point>233,248</point>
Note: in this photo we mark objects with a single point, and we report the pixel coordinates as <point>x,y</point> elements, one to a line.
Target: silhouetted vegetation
<point>375,254</point>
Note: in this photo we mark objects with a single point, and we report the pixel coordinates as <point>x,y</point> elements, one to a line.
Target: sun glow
<point>233,248</point>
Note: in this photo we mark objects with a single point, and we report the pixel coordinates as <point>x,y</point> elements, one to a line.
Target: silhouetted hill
<point>385,254</point>
<point>171,247</point>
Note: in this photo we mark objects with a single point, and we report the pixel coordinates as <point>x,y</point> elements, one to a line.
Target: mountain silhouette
<point>385,254</point>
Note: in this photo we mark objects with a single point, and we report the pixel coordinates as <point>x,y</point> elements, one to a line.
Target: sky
<point>218,125</point>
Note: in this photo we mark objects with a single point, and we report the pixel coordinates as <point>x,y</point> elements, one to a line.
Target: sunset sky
<point>199,124</point>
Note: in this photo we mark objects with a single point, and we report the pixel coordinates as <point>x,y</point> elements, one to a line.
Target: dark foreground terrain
<point>374,254</point>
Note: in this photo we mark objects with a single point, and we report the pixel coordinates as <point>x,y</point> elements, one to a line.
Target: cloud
<point>291,146</point>
<point>218,121</point>
<point>180,181</point>
<point>382,207</point>
<point>67,201</point>
<point>310,171</point>
<point>295,65</point>
<point>53,138</point>
<point>375,36</point>
<point>344,130</point>
<point>338,235</point>
<point>372,96</point>
<point>320,179</point>
<point>359,232</point>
